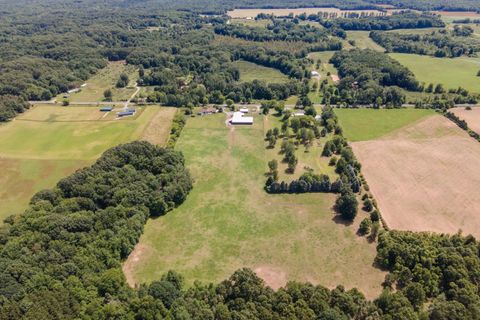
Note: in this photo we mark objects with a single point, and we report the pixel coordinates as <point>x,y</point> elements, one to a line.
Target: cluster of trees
<point>372,78</point>
<point>122,81</point>
<point>438,268</point>
<point>62,257</point>
<point>440,43</point>
<point>10,106</point>
<point>403,20</point>
<point>279,30</point>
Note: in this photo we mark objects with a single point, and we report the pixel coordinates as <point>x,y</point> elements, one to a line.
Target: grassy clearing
<point>363,41</point>
<point>415,31</point>
<point>325,69</point>
<point>47,143</point>
<point>229,222</point>
<point>306,158</point>
<point>252,71</point>
<point>369,124</point>
<point>452,73</point>
<point>106,79</point>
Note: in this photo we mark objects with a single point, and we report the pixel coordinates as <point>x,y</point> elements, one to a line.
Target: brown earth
<point>158,129</point>
<point>472,117</point>
<point>425,177</point>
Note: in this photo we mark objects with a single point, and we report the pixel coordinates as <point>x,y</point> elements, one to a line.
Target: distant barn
<point>106,109</point>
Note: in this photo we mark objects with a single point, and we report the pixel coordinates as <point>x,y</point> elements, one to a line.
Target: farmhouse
<point>238,118</point>
<point>207,111</point>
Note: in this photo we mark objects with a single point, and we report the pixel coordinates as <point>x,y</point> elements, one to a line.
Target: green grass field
<point>363,41</point>
<point>47,143</point>
<point>452,73</point>
<point>229,222</point>
<point>106,79</point>
<point>368,124</point>
<point>263,23</point>
<point>325,68</point>
<point>251,71</point>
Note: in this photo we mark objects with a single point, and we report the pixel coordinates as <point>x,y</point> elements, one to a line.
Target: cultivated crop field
<point>228,221</point>
<point>472,117</point>
<point>48,142</point>
<point>251,71</point>
<point>452,73</point>
<point>423,174</point>
<point>106,78</point>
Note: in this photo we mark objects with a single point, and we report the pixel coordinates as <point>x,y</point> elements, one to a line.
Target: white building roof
<point>244,110</point>
<point>238,118</point>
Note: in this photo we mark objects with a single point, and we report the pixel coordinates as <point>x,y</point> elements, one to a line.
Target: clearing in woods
<point>472,117</point>
<point>363,41</point>
<point>47,143</point>
<point>451,73</point>
<point>251,71</point>
<point>107,78</point>
<point>368,124</point>
<point>424,176</point>
<point>252,13</point>
<point>229,222</point>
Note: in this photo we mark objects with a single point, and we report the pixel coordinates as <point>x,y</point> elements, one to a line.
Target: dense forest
<point>442,43</point>
<point>372,78</point>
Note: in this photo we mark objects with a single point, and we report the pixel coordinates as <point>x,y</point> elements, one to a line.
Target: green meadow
<point>251,71</point>
<point>452,73</point>
<point>47,143</point>
<point>363,40</point>
<point>229,222</point>
<point>369,124</point>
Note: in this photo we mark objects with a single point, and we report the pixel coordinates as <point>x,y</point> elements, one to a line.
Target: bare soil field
<point>472,117</point>
<point>425,177</point>
<point>252,13</point>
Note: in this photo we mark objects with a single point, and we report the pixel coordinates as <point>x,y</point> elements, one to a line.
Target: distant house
<point>238,118</point>
<point>106,109</point>
<point>299,114</point>
<point>207,111</point>
<point>244,110</point>
<point>318,117</point>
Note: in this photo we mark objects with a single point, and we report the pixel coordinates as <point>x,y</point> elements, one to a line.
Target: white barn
<point>238,118</point>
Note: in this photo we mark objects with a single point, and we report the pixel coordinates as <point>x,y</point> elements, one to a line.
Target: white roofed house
<point>238,118</point>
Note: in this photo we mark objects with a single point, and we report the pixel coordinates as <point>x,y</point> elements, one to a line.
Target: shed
<point>106,109</point>
<point>244,110</point>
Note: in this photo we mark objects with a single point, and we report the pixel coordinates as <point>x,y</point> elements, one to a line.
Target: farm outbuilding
<point>238,118</point>
<point>244,110</point>
<point>106,109</point>
<point>207,111</point>
<point>126,112</point>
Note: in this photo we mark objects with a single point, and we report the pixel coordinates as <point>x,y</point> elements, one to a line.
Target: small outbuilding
<point>207,111</point>
<point>315,74</point>
<point>106,109</point>
<point>244,110</point>
<point>126,112</point>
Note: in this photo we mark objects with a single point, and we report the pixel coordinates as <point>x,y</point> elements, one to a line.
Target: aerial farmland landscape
<point>231,160</point>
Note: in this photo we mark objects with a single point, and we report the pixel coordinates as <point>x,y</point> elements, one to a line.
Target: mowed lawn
<point>251,71</point>
<point>363,40</point>
<point>452,73</point>
<point>107,78</point>
<point>47,143</point>
<point>368,124</point>
<point>229,222</point>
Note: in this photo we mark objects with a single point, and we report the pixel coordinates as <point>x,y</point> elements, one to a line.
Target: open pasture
<point>472,117</point>
<point>229,222</point>
<point>251,71</point>
<point>106,78</point>
<point>424,176</point>
<point>363,40</point>
<point>47,143</point>
<point>368,124</point>
<point>452,73</point>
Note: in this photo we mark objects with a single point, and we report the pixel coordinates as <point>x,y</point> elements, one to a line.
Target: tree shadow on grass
<point>338,219</point>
